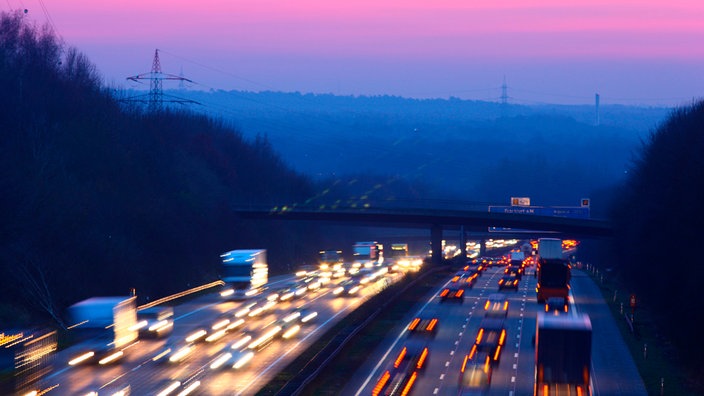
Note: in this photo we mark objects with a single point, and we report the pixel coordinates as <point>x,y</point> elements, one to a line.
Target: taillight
<point>422,358</point>
<point>431,325</point>
<point>480,335</point>
<point>400,357</point>
<point>380,384</point>
<point>413,324</point>
<point>409,385</point>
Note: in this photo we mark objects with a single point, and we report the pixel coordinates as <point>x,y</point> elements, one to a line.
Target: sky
<point>641,52</point>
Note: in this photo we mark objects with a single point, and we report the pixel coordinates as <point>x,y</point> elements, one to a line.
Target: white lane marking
<point>442,377</point>
<point>435,392</point>
<point>447,364</point>
<point>388,351</point>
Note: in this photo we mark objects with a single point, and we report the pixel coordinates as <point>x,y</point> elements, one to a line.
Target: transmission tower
<point>155,98</point>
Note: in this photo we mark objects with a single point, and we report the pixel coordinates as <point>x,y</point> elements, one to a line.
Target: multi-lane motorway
<point>613,370</point>
<point>142,374</point>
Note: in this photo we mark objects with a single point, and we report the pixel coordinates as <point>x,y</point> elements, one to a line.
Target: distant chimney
<point>596,103</point>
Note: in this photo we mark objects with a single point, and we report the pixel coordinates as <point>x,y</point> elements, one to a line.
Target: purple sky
<point>633,52</point>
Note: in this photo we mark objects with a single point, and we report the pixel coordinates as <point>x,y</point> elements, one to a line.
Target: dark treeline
<point>100,196</point>
<point>658,220</point>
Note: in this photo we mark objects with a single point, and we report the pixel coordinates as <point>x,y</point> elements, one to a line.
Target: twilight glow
<point>630,51</point>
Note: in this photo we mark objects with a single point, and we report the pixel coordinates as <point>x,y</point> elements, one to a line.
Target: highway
<point>613,369</point>
<point>144,376</point>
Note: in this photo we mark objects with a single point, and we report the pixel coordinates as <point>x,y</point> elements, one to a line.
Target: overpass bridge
<point>439,220</point>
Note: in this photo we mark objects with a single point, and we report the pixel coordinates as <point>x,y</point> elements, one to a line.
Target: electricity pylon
<point>155,98</point>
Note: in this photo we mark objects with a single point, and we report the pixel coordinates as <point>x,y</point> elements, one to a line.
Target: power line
<point>48,17</point>
<point>155,98</point>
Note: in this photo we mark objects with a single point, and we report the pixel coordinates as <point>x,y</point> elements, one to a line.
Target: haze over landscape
<point>628,51</point>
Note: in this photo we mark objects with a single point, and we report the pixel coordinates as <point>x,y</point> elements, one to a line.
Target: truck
<point>516,257</point>
<point>563,347</point>
<point>550,248</point>
<point>105,328</point>
<point>553,271</point>
<point>331,257</point>
<point>398,259</point>
<point>515,263</point>
<point>399,251</point>
<point>527,249</point>
<point>366,254</point>
<point>245,272</point>
<point>331,263</point>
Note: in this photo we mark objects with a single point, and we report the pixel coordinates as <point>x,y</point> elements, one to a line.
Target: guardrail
<point>296,385</point>
<point>181,294</point>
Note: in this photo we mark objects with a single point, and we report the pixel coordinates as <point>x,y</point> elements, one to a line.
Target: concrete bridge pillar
<point>463,244</point>
<point>436,244</point>
<point>482,248</point>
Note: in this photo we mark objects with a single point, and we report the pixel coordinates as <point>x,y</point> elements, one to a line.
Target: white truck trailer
<point>245,272</point>
<point>104,328</point>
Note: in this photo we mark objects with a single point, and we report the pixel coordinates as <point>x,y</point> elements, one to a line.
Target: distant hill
<point>461,149</point>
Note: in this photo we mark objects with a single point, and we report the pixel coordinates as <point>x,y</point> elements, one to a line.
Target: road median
<point>325,366</point>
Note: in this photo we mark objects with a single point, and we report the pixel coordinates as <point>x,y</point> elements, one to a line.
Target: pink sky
<point>644,51</point>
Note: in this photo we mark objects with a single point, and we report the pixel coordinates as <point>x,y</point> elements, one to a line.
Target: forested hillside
<point>100,196</point>
<point>658,219</point>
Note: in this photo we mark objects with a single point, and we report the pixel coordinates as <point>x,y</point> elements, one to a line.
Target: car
<point>174,352</point>
<point>475,375</point>
<point>412,357</point>
<point>407,366</point>
<point>490,339</point>
<point>348,287</point>
<point>452,294</point>
<point>515,270</point>
<point>155,322</point>
<point>488,261</point>
<point>463,279</point>
<point>508,282</point>
<point>426,327</point>
<point>496,305</point>
<point>474,267</point>
<point>305,315</point>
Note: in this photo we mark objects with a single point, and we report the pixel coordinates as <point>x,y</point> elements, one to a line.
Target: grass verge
<point>654,357</point>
